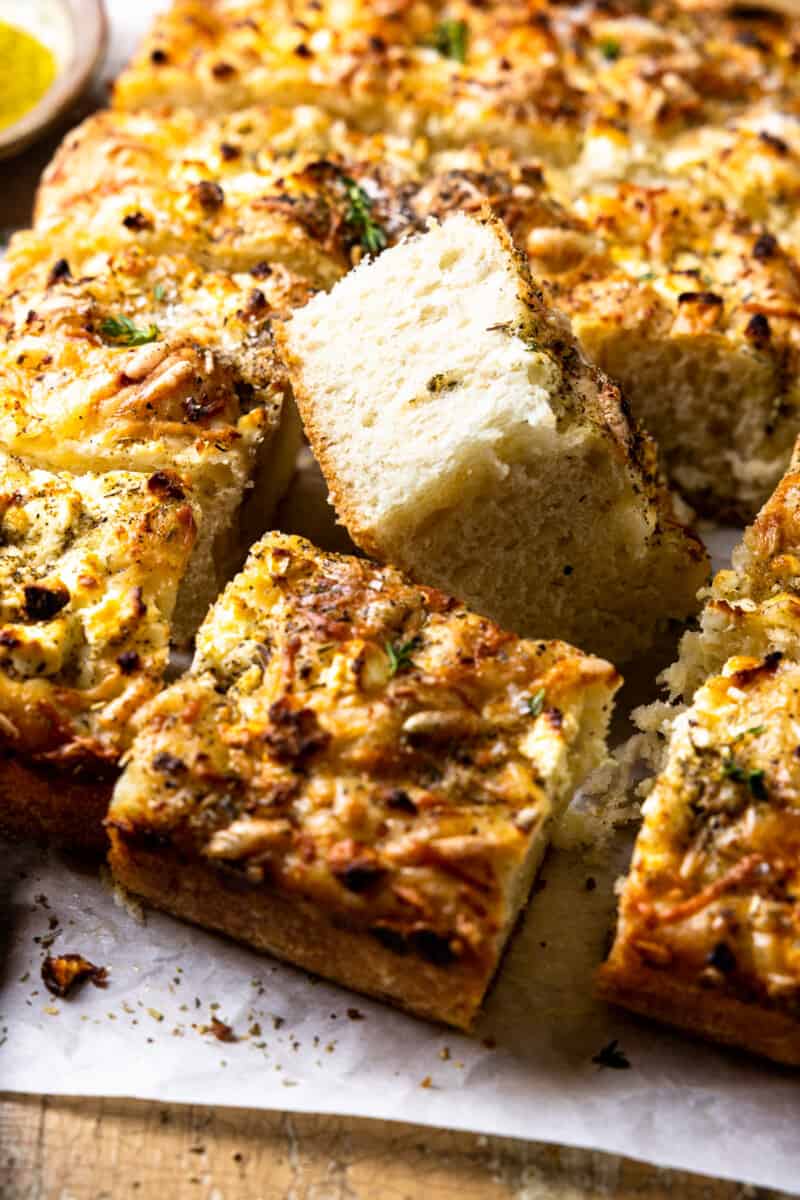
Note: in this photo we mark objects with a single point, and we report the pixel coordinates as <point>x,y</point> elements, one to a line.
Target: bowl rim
<point>90,29</point>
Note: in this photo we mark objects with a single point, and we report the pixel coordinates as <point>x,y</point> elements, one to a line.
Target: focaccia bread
<point>529,74</point>
<point>358,775</point>
<point>694,314</point>
<point>464,437</point>
<point>135,362</point>
<point>753,608</point>
<point>222,191</point>
<point>90,571</point>
<point>707,935</point>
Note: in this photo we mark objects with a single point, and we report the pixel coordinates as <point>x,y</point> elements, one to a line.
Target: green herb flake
<point>158,292</point>
<point>450,39</point>
<point>612,1056</point>
<point>610,49</point>
<point>358,214</point>
<point>754,779</point>
<point>753,731</point>
<point>733,770</point>
<point>122,332</point>
<point>535,703</point>
<point>400,656</point>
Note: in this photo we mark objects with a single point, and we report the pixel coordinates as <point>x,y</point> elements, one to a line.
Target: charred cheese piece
<point>129,361</point>
<point>358,775</point>
<point>90,570</point>
<point>709,915</point>
<point>529,74</point>
<point>317,198</point>
<point>464,437</point>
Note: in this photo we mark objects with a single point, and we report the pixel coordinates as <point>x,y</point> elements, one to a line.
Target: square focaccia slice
<point>693,313</point>
<point>527,75</point>
<point>127,361</point>
<point>267,185</point>
<point>358,775</point>
<point>753,607</point>
<point>709,914</point>
<point>465,437</point>
<point>90,570</point>
<point>453,72</point>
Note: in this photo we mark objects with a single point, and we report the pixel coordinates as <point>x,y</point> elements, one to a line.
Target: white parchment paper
<point>304,1045</point>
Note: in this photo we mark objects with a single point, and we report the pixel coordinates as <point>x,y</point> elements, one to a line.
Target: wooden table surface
<point>57,1149</point>
<point>95,1149</point>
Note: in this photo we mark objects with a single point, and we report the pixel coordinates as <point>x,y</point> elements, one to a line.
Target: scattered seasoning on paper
<point>355,1014</point>
<point>221,1031</point>
<point>612,1056</point>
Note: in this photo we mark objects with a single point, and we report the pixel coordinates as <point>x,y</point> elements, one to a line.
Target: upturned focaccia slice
<point>266,186</point>
<point>709,915</point>
<point>464,436</point>
<point>693,312</point>
<point>90,569</point>
<point>128,361</point>
<point>528,74</point>
<point>358,775</point>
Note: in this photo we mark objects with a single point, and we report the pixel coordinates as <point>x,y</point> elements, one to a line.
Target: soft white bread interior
<point>465,437</point>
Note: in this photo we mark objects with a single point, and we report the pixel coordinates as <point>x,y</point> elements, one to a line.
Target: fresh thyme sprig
<point>358,214</point>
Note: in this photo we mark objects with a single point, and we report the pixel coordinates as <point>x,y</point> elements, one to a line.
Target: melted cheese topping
<point>351,738</point>
<point>89,571</point>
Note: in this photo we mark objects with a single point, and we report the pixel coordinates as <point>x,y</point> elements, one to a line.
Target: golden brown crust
<point>299,932</point>
<point>43,803</point>
<point>700,1012</point>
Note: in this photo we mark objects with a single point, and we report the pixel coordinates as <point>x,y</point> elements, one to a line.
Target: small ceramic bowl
<point>76,32</point>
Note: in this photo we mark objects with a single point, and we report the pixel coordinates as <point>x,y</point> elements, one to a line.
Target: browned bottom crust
<point>299,932</point>
<point>700,1011</point>
<point>48,804</point>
